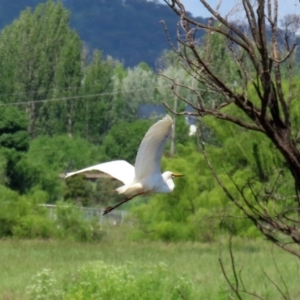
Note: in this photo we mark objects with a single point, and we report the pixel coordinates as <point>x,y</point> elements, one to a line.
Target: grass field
<point>22,259</point>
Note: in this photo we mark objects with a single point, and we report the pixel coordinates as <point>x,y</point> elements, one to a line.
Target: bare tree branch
<point>250,68</point>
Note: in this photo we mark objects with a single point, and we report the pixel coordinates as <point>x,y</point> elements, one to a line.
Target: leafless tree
<point>263,56</point>
<point>291,23</point>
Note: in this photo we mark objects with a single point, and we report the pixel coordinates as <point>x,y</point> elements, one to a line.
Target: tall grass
<point>22,260</point>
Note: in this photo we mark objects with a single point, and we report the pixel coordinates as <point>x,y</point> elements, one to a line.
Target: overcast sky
<point>194,6</point>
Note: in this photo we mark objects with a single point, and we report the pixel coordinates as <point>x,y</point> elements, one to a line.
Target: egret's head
<point>169,175</point>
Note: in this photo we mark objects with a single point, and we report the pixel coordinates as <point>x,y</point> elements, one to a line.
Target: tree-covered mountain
<point>129,31</point>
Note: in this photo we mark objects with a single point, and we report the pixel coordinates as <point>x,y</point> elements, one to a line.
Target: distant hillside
<point>129,31</point>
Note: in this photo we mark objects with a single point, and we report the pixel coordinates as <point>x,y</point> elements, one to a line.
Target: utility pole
<point>172,150</point>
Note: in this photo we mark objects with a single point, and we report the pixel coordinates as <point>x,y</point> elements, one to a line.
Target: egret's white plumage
<point>145,176</point>
<point>119,169</point>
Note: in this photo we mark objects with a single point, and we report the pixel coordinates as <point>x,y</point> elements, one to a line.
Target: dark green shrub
<point>72,224</point>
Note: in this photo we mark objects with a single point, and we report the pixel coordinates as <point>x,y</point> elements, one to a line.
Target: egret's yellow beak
<point>177,175</point>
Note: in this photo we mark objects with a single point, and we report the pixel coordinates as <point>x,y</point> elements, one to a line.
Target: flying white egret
<point>146,176</point>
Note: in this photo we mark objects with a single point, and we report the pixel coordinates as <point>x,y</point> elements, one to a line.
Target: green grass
<point>20,260</point>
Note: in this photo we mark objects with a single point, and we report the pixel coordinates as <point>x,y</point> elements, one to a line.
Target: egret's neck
<point>167,177</point>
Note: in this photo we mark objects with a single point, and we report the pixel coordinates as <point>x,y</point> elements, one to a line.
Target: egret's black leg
<point>110,208</point>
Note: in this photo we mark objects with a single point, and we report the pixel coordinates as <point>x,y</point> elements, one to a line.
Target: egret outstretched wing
<point>119,169</point>
<point>151,149</point>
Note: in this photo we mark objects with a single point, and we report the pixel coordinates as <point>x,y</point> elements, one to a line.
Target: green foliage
<point>103,281</point>
<point>96,110</point>
<point>72,224</point>
<point>21,216</point>
<point>182,132</point>
<point>34,226</point>
<point>3,163</point>
<point>25,217</point>
<point>14,142</point>
<point>217,52</point>
<point>165,87</point>
<point>138,87</point>
<point>40,58</point>
<point>13,129</point>
<point>60,152</point>
<point>48,157</point>
<point>242,148</point>
<point>77,190</point>
<point>95,194</point>
<point>34,176</point>
<point>8,216</point>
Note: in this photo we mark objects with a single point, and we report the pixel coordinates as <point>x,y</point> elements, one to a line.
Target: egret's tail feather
<point>130,189</point>
<point>122,189</point>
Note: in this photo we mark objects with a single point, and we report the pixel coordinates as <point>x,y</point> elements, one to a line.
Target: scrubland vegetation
<point>64,107</point>
<point>120,268</point>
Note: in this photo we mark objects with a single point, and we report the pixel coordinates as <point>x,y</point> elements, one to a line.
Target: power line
<point>49,90</point>
<point>78,97</point>
<point>72,97</point>
<point>43,91</point>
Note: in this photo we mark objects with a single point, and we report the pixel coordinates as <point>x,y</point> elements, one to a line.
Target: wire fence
<point>114,217</point>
